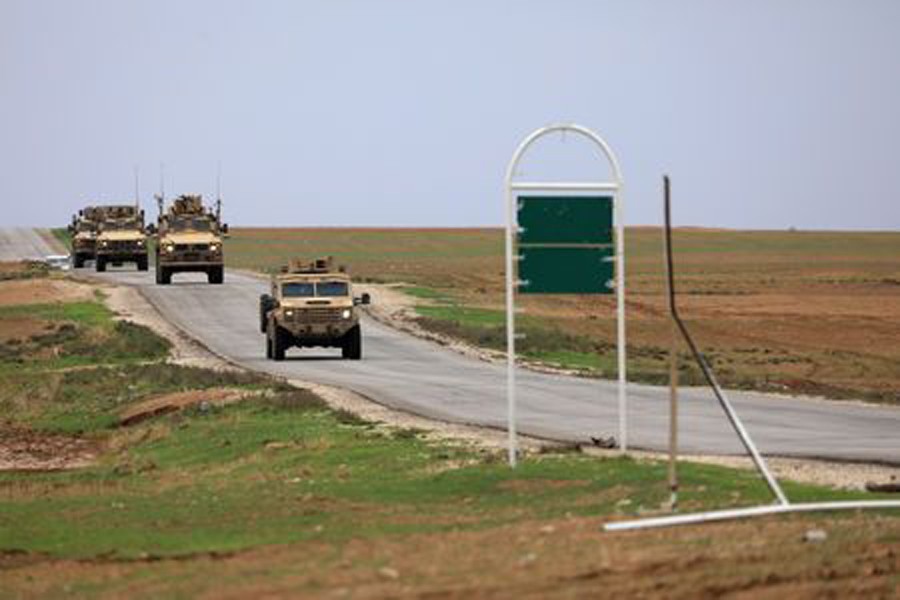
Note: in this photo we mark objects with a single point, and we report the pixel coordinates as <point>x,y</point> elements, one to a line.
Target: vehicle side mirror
<point>151,229</point>
<point>224,227</point>
<point>364,299</point>
<point>70,229</point>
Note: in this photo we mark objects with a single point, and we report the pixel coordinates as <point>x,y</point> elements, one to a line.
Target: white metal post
<point>512,282</point>
<point>511,274</point>
<point>621,349</point>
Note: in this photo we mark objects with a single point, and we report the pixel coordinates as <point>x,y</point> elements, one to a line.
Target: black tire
<point>265,305</point>
<point>100,264</point>
<point>279,343</point>
<point>142,263</point>
<point>77,261</point>
<point>163,276</point>
<point>216,275</point>
<point>269,352</point>
<point>352,346</point>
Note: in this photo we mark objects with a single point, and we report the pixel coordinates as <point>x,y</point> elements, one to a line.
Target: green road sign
<point>566,270</point>
<point>565,219</point>
<point>565,244</point>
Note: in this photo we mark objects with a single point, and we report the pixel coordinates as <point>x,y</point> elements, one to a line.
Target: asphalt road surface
<point>22,243</point>
<point>423,378</point>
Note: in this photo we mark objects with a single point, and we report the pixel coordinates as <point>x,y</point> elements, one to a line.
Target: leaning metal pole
<point>737,513</point>
<point>673,360</point>
<point>707,371</point>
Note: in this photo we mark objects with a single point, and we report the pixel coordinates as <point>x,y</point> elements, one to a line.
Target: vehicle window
<point>297,290</point>
<point>332,288</point>
<point>191,224</point>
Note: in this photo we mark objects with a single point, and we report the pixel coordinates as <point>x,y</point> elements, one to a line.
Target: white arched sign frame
<point>613,188</point>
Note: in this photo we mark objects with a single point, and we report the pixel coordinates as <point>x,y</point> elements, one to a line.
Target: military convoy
<point>311,304</point>
<point>189,239</point>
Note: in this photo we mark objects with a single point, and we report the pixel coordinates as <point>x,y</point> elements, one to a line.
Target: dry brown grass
<point>567,558</point>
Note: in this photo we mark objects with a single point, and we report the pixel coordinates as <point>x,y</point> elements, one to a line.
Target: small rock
<point>623,502</point>
<point>604,442</point>
<point>389,573</point>
<point>277,445</point>
<point>548,529</point>
<point>815,535</point>
<point>527,559</point>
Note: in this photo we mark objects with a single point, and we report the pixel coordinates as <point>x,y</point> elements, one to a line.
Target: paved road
<point>423,378</point>
<point>21,243</point>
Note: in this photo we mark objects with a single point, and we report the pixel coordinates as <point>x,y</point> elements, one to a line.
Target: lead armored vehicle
<point>311,304</point>
<point>121,237</point>
<point>189,239</point>
<point>83,230</point>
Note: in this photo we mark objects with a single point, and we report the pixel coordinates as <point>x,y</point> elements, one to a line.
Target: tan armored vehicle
<point>189,239</point>
<point>311,304</point>
<point>121,237</point>
<point>83,230</point>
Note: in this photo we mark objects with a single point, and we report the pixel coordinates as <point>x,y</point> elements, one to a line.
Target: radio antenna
<point>137,193</point>
<point>161,196</point>
<point>219,190</point>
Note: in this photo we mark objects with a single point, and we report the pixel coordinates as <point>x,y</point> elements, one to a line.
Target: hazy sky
<point>766,114</point>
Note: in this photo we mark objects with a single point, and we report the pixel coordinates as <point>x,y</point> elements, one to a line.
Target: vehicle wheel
<point>163,276</point>
<point>216,275</point>
<point>352,346</point>
<point>100,264</point>
<point>142,263</point>
<point>269,352</point>
<point>77,261</point>
<point>264,307</point>
<point>279,343</point>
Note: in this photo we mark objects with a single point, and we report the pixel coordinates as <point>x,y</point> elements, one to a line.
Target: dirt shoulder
<point>391,307</point>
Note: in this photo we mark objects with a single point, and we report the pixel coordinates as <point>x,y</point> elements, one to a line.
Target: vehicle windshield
<point>85,227</point>
<point>332,288</point>
<point>326,289</point>
<point>195,224</point>
<point>118,225</point>
<point>297,290</point>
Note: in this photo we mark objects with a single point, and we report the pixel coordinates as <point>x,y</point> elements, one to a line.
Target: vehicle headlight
<point>214,247</point>
<point>347,313</point>
<point>140,242</point>
<point>104,243</point>
<point>170,248</point>
<point>289,313</point>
